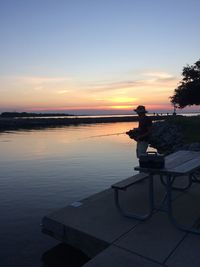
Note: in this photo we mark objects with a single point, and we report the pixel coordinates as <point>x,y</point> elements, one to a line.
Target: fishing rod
<point>105,135</point>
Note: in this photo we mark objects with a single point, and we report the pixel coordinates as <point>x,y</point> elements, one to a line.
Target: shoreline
<point>12,124</point>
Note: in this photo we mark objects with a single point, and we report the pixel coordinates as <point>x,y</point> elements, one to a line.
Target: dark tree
<point>188,92</point>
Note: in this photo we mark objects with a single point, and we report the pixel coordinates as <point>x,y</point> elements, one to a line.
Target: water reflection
<point>44,170</point>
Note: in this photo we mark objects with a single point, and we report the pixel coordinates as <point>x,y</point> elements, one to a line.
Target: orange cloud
<point>121,107</point>
<point>123,99</point>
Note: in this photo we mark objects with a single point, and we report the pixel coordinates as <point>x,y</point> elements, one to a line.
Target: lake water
<point>44,170</point>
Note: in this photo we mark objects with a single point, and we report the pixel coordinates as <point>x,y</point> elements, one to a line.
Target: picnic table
<point>178,164</point>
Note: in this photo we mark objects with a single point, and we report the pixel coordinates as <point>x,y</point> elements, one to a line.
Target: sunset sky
<point>94,56</point>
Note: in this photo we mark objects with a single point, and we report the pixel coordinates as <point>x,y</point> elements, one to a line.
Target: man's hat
<point>140,109</point>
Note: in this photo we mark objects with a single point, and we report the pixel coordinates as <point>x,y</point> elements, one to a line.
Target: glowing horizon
<point>62,93</point>
<point>135,57</point>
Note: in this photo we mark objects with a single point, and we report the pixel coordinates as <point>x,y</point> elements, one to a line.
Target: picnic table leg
<point>137,216</point>
<point>176,187</point>
<point>170,209</point>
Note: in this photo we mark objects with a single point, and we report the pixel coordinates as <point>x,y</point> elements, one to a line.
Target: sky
<point>95,56</point>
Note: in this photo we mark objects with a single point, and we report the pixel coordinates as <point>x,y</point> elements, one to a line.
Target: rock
<point>168,137</point>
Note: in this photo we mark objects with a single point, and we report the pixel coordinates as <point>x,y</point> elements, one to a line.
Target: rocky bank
<point>167,137</point>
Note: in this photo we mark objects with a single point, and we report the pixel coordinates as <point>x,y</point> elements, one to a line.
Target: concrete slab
<point>185,208</point>
<point>155,238</point>
<point>187,254</point>
<point>117,257</point>
<point>91,224</point>
<point>94,224</point>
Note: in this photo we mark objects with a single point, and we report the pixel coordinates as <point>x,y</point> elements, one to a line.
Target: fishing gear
<point>105,135</point>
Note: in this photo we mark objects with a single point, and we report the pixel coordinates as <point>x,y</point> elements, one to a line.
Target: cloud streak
<point>41,79</point>
<point>152,79</point>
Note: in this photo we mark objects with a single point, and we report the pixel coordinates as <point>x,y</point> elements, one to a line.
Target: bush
<point>190,127</point>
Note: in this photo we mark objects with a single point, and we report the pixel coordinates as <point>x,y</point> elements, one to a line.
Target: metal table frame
<point>171,173</point>
<point>135,215</point>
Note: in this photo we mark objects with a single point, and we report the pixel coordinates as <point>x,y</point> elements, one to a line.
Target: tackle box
<point>152,160</point>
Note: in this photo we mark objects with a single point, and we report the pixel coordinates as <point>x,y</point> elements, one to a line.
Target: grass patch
<point>190,127</point>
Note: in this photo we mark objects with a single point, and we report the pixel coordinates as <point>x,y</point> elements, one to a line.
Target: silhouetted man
<point>142,133</point>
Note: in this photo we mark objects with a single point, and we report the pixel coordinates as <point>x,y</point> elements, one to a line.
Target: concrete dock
<point>95,226</point>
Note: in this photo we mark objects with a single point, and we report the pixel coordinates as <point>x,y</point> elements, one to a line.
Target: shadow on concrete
<point>64,255</point>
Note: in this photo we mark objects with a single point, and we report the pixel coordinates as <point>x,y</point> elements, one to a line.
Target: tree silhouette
<point>188,92</point>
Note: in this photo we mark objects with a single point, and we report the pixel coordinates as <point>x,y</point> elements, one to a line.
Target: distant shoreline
<point>31,114</point>
<point>12,124</point>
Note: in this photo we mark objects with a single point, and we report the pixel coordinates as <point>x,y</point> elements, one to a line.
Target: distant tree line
<point>29,114</point>
<point>188,92</point>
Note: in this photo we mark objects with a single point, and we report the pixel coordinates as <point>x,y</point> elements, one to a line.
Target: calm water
<point>44,170</point>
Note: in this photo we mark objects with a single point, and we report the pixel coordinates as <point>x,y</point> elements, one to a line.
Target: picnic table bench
<point>179,164</point>
<point>124,185</point>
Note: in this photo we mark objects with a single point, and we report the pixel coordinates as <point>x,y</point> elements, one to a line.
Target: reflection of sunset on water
<point>65,141</point>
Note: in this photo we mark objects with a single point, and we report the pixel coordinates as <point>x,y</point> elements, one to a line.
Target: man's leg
<point>141,148</point>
